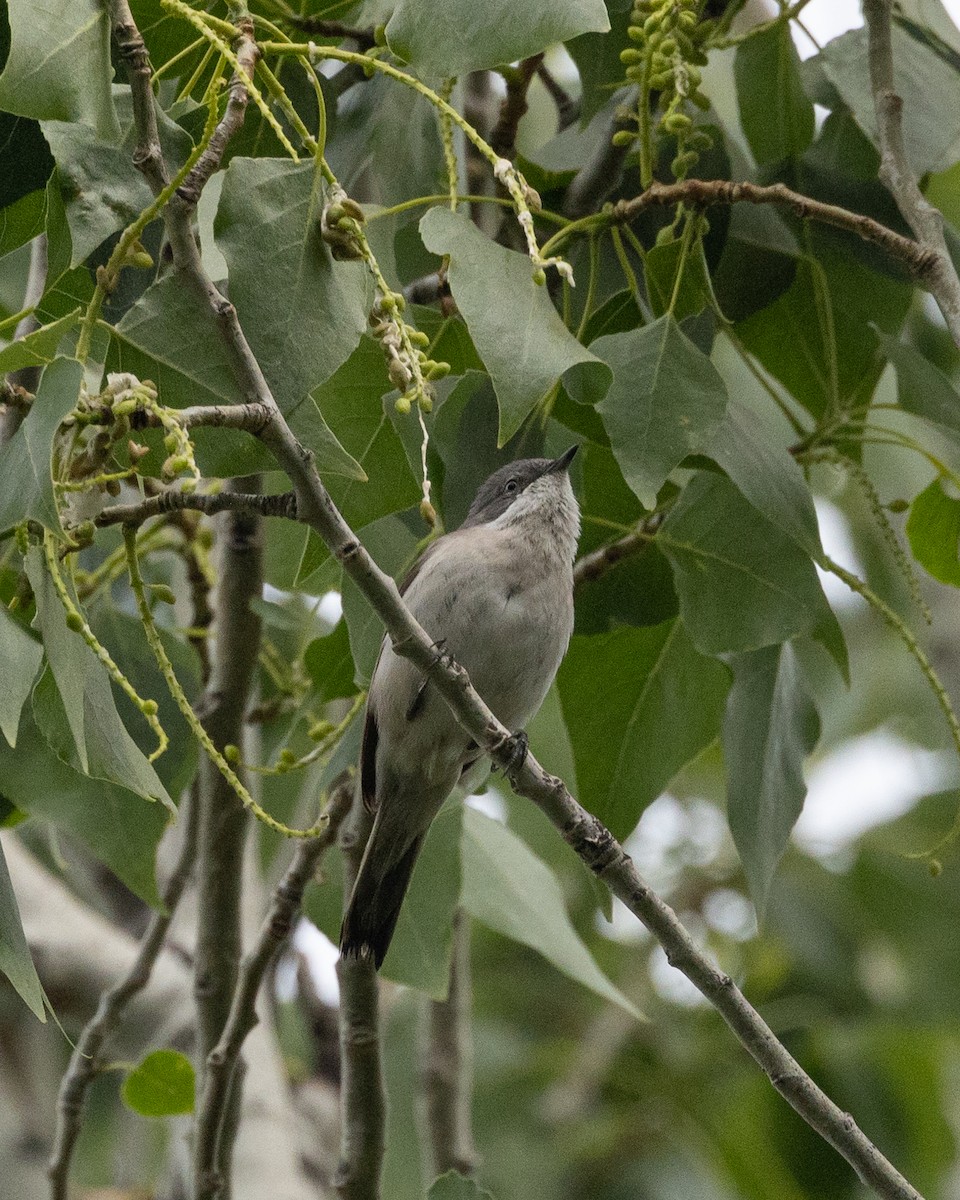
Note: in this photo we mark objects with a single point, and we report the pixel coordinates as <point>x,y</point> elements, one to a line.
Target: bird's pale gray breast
<point>503,612</point>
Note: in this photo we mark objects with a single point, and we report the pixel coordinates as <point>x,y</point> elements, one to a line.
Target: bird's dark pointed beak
<point>564,461</point>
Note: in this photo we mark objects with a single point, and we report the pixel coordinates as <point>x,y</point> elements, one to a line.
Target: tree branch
<point>568,109</point>
<point>362,1094</point>
<point>170,500</point>
<point>503,136</point>
<point>919,258</point>
<point>86,1061</point>
<point>223,819</point>
<point>583,832</point>
<point>211,1138</point>
<point>317,26</point>
<point>598,562</point>
<point>940,277</point>
<point>448,1068</point>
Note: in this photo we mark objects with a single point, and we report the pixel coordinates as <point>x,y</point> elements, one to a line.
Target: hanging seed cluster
<point>669,48</point>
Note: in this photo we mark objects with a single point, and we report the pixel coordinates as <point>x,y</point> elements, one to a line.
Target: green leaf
<point>15,960</point>
<point>161,1085</point>
<point>419,955</point>
<point>78,715</point>
<point>661,269</point>
<point>59,65</point>
<point>453,1186</point>
<point>597,56</point>
<point>440,38</point>
<point>118,828</point>
<point>20,657</point>
<point>922,388</point>
<point>170,336</point>
<point>517,331</point>
<point>767,475</point>
<point>510,889</point>
<point>329,664</point>
<point>665,402</point>
<point>639,704</point>
<point>926,79</point>
<point>818,337</point>
<point>742,583</point>
<point>26,481</point>
<point>22,221</point>
<point>302,312</point>
<point>776,116</point>
<point>25,161</point>
<point>39,347</point>
<point>771,725</point>
<point>933,530</point>
<point>393,545</point>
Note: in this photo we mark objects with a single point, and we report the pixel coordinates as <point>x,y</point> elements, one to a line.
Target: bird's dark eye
<point>510,487</point>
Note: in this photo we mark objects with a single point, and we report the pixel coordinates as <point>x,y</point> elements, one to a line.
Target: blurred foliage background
<point>855,963</point>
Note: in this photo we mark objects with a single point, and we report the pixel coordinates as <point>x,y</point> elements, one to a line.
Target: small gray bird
<point>497,595</point>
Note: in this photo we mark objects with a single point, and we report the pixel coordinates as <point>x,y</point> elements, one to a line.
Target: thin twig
<point>318,27</point>
<point>86,1061</point>
<point>362,1093</point>
<point>211,1140</point>
<point>448,1065</point>
<point>598,562</point>
<point>940,277</point>
<point>583,832</point>
<point>170,500</point>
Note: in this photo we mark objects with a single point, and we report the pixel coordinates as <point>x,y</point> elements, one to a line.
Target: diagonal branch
<point>925,220</point>
<point>584,833</point>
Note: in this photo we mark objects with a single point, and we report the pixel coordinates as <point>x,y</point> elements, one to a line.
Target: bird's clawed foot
<point>517,746</point>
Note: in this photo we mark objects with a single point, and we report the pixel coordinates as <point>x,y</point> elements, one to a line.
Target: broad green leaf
<point>639,704</point>
<point>25,161</point>
<point>767,475</point>
<point>161,1085</point>
<point>453,1186</point>
<point>776,116</point>
<point>742,583</point>
<point>818,337</point>
<point>59,65</point>
<point>440,38</point>
<point>352,402</point>
<point>22,221</point>
<point>98,185</point>
<point>15,960</point>
<point>516,330</point>
<point>170,336</point>
<point>78,715</point>
<point>329,664</point>
<point>419,955</point>
<point>302,312</point>
<point>663,276</point>
<point>771,725</point>
<point>20,657</point>
<point>393,544</point>
<point>922,388</point>
<point>597,56</point>
<point>927,81</point>
<point>117,827</point>
<point>665,402</point>
<point>510,889</point>
<point>39,347</point>
<point>26,482</point>
<point>123,633</point>
<point>933,529</point>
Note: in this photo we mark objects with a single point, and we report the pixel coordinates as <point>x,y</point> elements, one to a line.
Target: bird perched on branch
<point>497,596</point>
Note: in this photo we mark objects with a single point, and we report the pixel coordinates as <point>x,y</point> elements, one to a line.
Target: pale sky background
<point>863,783</point>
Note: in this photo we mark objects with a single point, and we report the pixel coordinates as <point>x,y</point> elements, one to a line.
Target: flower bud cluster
<point>668,50</point>
<point>410,369</point>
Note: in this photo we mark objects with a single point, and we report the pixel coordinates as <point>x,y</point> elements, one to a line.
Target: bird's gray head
<point>530,488</point>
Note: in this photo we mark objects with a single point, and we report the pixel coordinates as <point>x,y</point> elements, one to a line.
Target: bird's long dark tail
<point>375,901</point>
